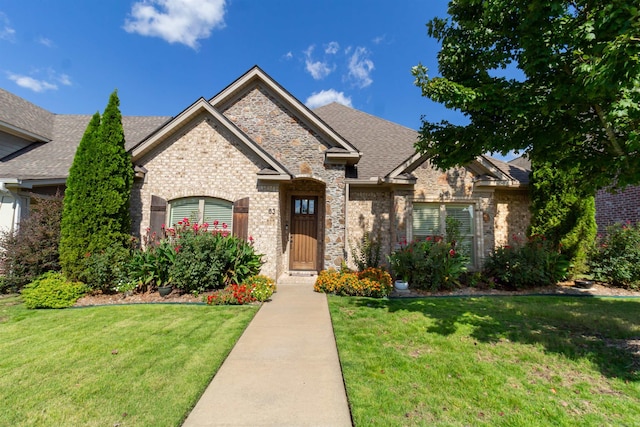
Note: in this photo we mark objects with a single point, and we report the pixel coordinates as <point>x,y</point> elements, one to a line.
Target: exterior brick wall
<point>203,159</point>
<point>617,207</point>
<point>512,216</point>
<point>369,210</point>
<point>499,214</point>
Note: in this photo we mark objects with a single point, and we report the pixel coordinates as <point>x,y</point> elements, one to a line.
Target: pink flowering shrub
<point>195,257</point>
<point>534,262</point>
<point>431,264</point>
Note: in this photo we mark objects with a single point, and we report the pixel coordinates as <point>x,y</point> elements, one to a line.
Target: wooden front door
<point>304,233</point>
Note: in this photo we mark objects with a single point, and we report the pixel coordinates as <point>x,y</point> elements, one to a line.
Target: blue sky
<point>67,56</point>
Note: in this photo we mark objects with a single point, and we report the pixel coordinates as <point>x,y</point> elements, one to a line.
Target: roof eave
<point>23,133</point>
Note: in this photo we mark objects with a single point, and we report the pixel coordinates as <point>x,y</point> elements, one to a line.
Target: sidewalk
<point>284,370</point>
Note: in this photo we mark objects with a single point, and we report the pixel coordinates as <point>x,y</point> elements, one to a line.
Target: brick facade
<point>622,206</point>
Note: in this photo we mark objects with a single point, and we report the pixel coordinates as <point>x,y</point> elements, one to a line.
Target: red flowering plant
<point>210,257</point>
<point>433,263</point>
<point>232,294</point>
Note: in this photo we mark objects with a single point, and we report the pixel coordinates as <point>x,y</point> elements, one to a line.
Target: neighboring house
<point>622,206</point>
<point>305,184</point>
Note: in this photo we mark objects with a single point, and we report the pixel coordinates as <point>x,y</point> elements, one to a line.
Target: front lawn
<point>130,365</point>
<point>517,361</point>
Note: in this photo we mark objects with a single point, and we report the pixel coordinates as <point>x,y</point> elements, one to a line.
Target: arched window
<point>201,210</point>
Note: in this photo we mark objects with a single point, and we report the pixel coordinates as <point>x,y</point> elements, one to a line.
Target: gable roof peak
<point>256,76</point>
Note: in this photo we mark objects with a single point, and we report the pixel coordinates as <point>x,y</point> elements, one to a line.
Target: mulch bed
<point>566,288</point>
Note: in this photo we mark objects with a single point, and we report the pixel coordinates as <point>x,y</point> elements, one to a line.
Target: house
<point>304,184</point>
<point>619,207</point>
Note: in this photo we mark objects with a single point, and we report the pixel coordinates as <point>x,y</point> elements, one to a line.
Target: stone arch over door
<point>304,214</point>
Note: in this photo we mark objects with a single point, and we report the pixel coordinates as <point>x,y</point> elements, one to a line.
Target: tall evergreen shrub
<point>96,204</point>
<point>562,213</point>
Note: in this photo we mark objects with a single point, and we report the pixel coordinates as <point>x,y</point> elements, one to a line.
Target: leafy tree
<point>96,204</point>
<point>576,102</point>
<point>563,213</point>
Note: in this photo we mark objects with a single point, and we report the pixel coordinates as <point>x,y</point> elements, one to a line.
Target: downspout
<point>346,221</point>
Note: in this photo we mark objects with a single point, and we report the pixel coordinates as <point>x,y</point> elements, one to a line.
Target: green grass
<point>511,361</point>
<point>133,365</point>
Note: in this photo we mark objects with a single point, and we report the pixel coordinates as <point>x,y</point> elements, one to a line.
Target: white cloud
<point>318,69</point>
<point>288,55</point>
<point>332,48</point>
<point>6,31</point>
<point>379,39</point>
<point>64,79</point>
<point>31,83</point>
<point>45,41</point>
<point>38,84</point>
<point>176,21</point>
<point>360,68</point>
<point>324,97</point>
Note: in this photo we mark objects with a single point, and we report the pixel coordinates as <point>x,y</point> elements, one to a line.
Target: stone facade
<point>387,212</point>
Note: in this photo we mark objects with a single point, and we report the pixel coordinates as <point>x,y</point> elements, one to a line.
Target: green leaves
<point>574,100</point>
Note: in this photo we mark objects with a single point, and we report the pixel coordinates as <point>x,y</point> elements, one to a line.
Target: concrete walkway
<point>284,370</point>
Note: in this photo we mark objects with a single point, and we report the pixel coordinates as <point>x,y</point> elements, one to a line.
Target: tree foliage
<point>563,213</point>
<point>576,100</point>
<point>96,204</point>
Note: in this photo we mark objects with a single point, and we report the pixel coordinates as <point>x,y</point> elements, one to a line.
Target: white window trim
<point>478,241</point>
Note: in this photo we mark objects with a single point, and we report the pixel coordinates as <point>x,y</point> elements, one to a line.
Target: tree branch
<point>610,134</point>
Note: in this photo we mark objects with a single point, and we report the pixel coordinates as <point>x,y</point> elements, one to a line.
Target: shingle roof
<point>53,159</point>
<point>518,173</point>
<point>25,116</point>
<point>384,144</point>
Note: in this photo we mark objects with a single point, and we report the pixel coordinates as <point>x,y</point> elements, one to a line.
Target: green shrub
<point>366,252</point>
<point>616,256</point>
<point>151,266</point>
<point>105,269</point>
<point>210,259</point>
<point>535,263</point>
<point>431,264</point>
<point>372,282</point>
<point>562,212</point>
<point>52,290</point>
<point>262,287</point>
<point>33,249</point>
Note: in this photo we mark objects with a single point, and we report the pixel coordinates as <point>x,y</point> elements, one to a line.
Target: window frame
<point>472,235</point>
<point>202,205</point>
